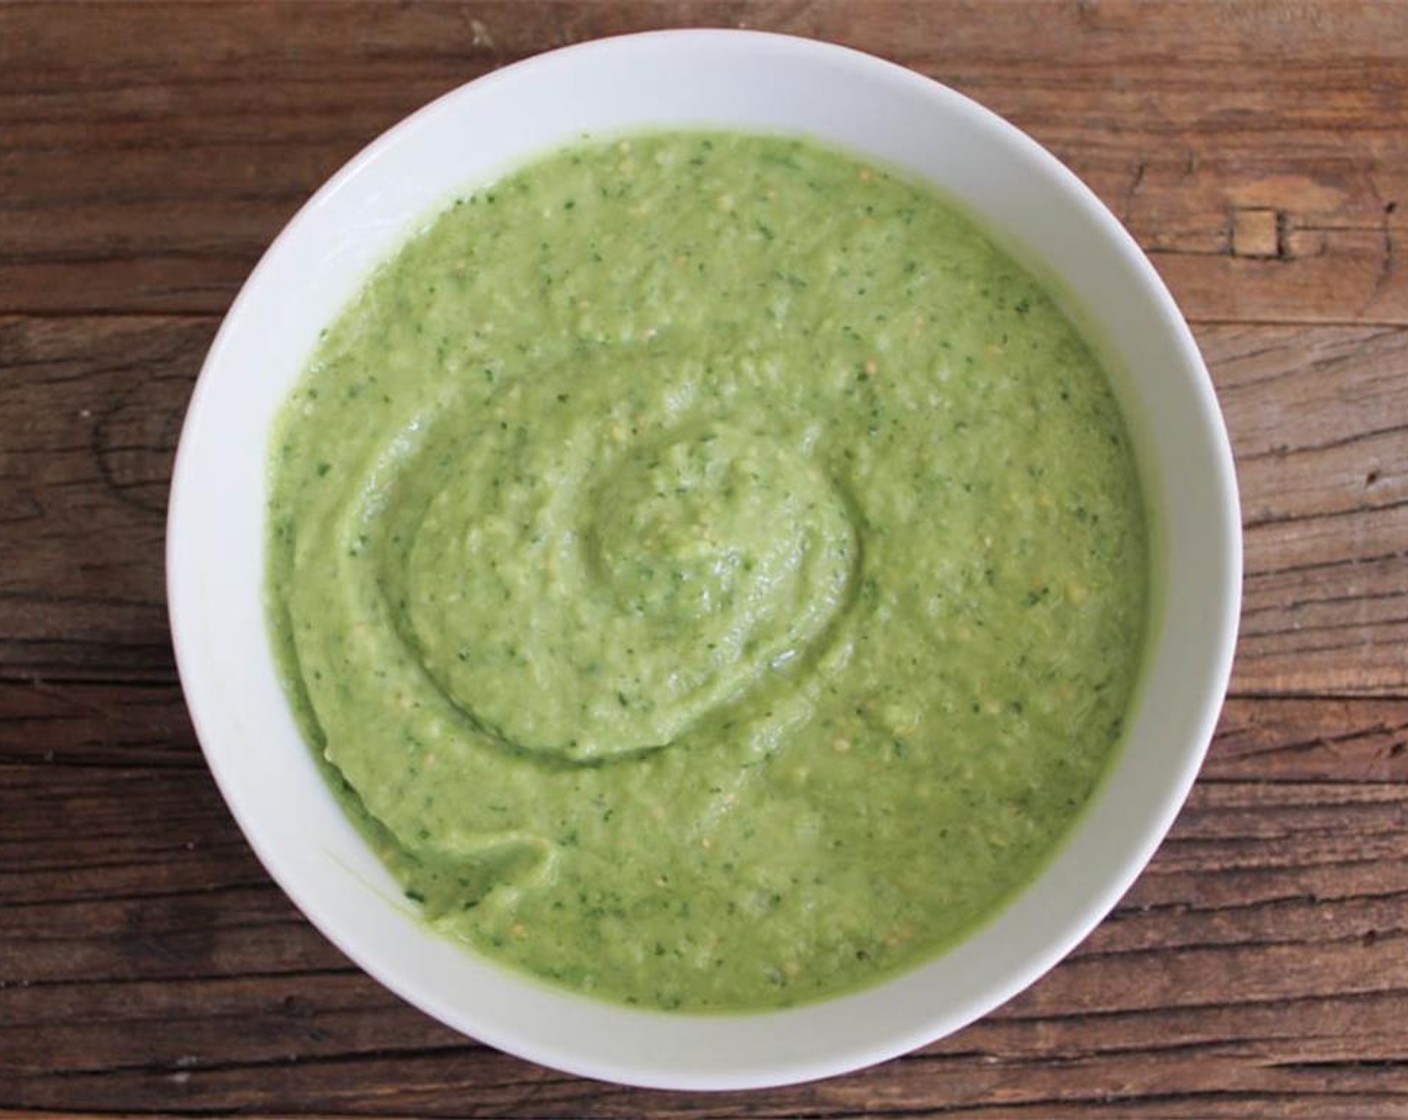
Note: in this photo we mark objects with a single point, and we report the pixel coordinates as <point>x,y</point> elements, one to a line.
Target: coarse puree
<point>712,572</point>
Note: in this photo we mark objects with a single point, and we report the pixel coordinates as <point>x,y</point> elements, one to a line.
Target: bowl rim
<point>182,615</point>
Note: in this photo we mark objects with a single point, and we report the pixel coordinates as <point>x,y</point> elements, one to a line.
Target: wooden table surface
<point>1259,153</point>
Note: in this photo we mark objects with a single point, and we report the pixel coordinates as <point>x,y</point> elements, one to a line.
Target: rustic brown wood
<point>83,479</point>
<point>1256,232</point>
<point>144,958</point>
<point>148,152</point>
<point>1318,418</point>
<point>1319,425</point>
<point>146,175</point>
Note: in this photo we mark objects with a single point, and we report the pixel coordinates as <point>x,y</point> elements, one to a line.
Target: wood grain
<point>1262,956</point>
<point>149,175</point>
<point>1319,426</point>
<point>83,483</point>
<point>1318,418</point>
<point>149,151</point>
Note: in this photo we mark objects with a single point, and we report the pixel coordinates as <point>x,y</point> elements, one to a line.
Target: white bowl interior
<point>748,81</point>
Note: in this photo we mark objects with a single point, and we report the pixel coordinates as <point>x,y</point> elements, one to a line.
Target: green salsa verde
<point>714,573</point>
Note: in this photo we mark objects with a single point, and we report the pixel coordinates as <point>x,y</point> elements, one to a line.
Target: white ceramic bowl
<point>747,81</point>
